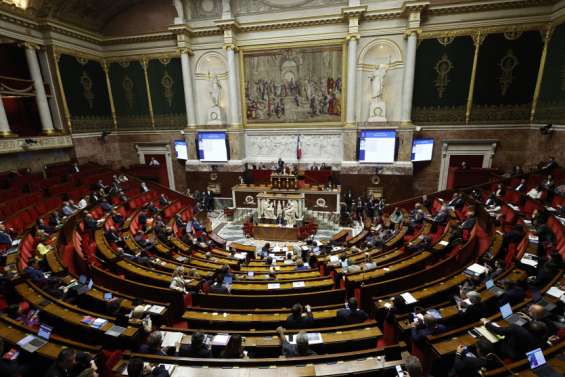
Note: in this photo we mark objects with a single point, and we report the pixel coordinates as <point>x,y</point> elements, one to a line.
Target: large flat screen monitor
<point>181,150</point>
<point>212,147</point>
<point>422,149</point>
<point>377,146</point>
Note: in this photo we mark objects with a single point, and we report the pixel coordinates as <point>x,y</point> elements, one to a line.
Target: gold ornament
<point>127,85</point>
<point>442,68</point>
<point>167,82</point>
<point>507,65</point>
<point>86,83</point>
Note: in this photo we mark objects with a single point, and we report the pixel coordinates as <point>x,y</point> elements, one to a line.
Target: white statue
<point>269,210</point>
<point>290,213</point>
<point>180,11</point>
<point>226,9</point>
<point>377,106</point>
<point>215,90</point>
<point>377,80</point>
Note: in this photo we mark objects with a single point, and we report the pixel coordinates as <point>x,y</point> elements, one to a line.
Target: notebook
<point>508,316</point>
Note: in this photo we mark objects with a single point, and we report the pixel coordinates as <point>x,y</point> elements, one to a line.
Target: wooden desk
<point>271,232</point>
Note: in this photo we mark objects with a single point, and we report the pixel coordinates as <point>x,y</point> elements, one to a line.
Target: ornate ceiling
<point>90,14</point>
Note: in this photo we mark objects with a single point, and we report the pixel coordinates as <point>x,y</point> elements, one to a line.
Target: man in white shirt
<point>535,193</point>
<point>153,162</point>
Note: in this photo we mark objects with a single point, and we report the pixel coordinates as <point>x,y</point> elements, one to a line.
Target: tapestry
<point>294,85</point>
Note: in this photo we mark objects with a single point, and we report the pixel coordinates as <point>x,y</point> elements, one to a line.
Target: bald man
<point>538,313</point>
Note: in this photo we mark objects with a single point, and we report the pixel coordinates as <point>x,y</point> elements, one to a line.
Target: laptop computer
<point>538,364</point>
<point>513,318</point>
<point>497,291</point>
<point>83,288</point>
<point>32,343</point>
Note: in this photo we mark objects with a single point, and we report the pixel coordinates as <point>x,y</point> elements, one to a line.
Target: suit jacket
<point>5,239</point>
<point>472,314</point>
<point>348,316</point>
<point>302,322</point>
<point>517,340</point>
<point>513,296</point>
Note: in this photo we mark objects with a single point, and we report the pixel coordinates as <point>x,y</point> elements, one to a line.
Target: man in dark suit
<point>513,293</point>
<point>298,320</point>
<point>467,364</point>
<point>218,286</point>
<point>5,238</point>
<point>473,312</point>
<point>517,339</point>
<point>112,237</point>
<point>351,314</point>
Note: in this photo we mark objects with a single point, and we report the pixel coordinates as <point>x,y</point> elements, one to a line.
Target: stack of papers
<point>220,339</point>
<point>239,256</point>
<point>98,323</point>
<point>555,292</point>
<point>408,298</point>
<point>475,269</point>
<point>444,243</point>
<point>171,338</point>
<point>334,258</point>
<point>529,260</point>
<point>115,331</point>
<point>493,338</point>
<point>156,309</point>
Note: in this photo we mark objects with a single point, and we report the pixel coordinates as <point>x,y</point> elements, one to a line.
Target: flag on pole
<point>298,149</point>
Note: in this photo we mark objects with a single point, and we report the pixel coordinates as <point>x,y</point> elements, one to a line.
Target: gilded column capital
<point>185,50</point>
<point>350,36</point>
<point>409,32</point>
<point>231,46</point>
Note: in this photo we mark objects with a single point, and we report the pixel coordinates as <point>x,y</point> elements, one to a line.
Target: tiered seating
<point>261,295</point>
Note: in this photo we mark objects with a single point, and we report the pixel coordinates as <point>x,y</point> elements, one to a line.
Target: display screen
<point>377,146</point>
<point>181,150</point>
<point>212,146</point>
<point>422,149</point>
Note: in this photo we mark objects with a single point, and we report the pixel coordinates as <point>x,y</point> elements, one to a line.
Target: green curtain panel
<point>84,83</point>
<point>443,73</point>
<point>167,94</point>
<point>551,102</point>
<point>130,95</point>
<point>506,77</point>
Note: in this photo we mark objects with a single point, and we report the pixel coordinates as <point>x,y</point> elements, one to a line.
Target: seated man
<point>163,201</point>
<point>472,310</point>
<point>535,192</point>
<point>141,241</point>
<point>513,293</point>
<point>522,186</point>
<point>197,347</point>
<point>106,206</point>
<point>517,339</point>
<point>90,223</point>
<point>5,237</point>
<point>298,319</point>
<point>423,328</point>
<point>117,218</point>
<point>351,314</point>
<point>301,348</point>
<point>113,237</point>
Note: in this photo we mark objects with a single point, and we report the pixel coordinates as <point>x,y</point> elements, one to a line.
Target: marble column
<point>188,87</point>
<point>4,126</point>
<point>232,86</point>
<point>408,83</point>
<point>40,96</point>
<point>351,79</point>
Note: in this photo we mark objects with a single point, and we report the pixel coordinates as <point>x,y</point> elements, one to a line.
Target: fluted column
<point>4,125</point>
<point>40,96</point>
<point>351,78</point>
<point>232,85</point>
<point>188,87</point>
<point>408,83</point>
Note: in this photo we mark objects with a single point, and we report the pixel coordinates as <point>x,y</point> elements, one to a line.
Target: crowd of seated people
<point>153,228</point>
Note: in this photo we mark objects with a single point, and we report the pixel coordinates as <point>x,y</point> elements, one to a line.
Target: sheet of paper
<point>170,338</point>
<point>273,286</point>
<point>408,298</point>
<point>298,284</point>
<point>220,339</point>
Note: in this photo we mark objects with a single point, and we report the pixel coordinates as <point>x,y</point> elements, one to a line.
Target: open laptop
<point>32,343</point>
<point>497,291</point>
<point>538,364</point>
<point>513,318</point>
<point>83,288</point>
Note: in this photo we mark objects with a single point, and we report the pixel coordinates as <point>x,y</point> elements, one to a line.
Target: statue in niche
<point>269,210</point>
<point>290,213</point>
<point>377,108</point>
<point>215,90</point>
<point>215,115</point>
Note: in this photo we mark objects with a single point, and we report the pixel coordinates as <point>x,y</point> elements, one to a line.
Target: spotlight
<point>547,129</point>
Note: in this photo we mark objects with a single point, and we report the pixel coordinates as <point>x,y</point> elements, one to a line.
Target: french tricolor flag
<point>298,149</point>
